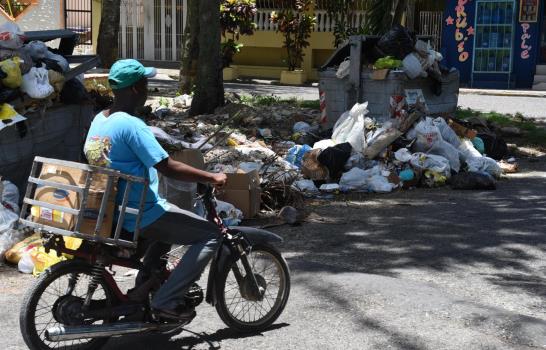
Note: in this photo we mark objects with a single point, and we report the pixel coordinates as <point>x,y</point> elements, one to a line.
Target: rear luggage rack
<point>83,192</point>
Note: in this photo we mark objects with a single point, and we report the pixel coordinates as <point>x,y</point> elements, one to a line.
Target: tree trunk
<point>107,43</point>
<point>209,92</point>
<point>190,49</point>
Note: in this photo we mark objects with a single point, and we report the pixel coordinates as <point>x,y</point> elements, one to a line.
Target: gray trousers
<point>182,227</point>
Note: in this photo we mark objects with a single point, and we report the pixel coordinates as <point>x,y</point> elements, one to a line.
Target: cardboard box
<point>191,157</point>
<point>70,199</point>
<point>243,191</point>
<point>380,74</point>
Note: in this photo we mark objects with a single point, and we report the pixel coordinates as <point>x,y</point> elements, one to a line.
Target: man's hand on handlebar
<point>219,180</point>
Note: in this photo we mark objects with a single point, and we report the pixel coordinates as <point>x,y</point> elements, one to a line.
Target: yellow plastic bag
<point>43,260</point>
<point>14,254</point>
<point>7,112</point>
<point>12,69</point>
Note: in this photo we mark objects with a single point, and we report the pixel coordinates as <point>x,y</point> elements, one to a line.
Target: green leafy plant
<point>342,12</point>
<point>163,102</point>
<point>296,24</point>
<point>236,19</point>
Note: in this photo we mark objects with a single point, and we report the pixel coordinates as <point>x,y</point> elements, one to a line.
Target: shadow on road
<point>183,341</point>
<point>437,230</point>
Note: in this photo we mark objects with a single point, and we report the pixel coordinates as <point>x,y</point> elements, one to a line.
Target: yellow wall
<point>262,55</point>
<point>265,49</point>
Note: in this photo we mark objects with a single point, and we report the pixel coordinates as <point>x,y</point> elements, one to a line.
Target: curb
<point>507,93</point>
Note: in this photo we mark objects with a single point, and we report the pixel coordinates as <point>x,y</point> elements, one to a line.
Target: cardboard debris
<point>243,191</point>
<point>76,177</point>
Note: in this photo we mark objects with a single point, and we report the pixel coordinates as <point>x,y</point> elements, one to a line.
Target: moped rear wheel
<point>56,299</point>
<point>237,306</point>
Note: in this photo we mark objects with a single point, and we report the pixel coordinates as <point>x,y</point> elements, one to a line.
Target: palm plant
<point>382,15</point>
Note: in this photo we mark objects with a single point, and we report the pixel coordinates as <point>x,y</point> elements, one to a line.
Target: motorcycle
<point>78,304</point>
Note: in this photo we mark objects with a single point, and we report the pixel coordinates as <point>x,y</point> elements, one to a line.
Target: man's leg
<point>152,262</point>
<point>182,227</point>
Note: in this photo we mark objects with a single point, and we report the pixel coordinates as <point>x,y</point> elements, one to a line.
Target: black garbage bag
<point>495,146</point>
<point>74,93</point>
<point>397,42</point>
<point>473,181</point>
<point>8,95</point>
<point>334,158</point>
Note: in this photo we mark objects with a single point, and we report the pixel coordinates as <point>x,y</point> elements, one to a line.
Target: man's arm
<point>183,172</point>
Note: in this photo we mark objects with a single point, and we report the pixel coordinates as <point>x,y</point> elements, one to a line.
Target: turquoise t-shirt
<point>125,143</point>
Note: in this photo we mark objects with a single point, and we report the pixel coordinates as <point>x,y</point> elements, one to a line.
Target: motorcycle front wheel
<point>237,306</point>
<point>56,298</point>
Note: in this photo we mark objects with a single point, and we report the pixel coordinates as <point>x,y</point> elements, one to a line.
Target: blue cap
<point>125,73</point>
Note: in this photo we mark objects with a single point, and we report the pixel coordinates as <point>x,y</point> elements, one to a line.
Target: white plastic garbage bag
<point>306,186</point>
<point>380,184</point>
<point>230,215</point>
<point>446,150</point>
<point>484,164</point>
<point>427,135</point>
<point>467,150</point>
<point>36,83</point>
<point>182,101</point>
<point>447,132</point>
<point>8,239</point>
<point>26,265</point>
<point>329,187</point>
<point>344,69</point>
<point>412,66</point>
<point>9,208</point>
<point>430,140</point>
<point>354,179</point>
<point>324,144</point>
<point>402,155</point>
<point>350,127</point>
<point>11,36</point>
<point>431,162</point>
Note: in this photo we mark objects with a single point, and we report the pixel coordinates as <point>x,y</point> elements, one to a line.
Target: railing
<point>324,23</point>
<point>430,23</point>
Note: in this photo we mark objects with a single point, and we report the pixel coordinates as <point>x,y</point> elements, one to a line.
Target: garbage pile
<point>411,149</point>
<point>31,75</point>
<point>295,158</point>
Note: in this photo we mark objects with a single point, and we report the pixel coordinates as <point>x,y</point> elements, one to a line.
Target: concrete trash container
<point>341,94</point>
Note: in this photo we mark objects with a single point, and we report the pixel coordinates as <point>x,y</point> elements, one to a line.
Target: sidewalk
<point>169,75</point>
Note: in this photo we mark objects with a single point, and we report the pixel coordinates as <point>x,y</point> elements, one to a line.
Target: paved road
<point>422,269</point>
<point>531,107</point>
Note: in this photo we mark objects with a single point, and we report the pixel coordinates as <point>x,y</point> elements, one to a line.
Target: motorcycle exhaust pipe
<point>62,333</point>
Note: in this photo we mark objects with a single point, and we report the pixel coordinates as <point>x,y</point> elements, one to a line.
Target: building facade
<point>496,43</point>
<point>33,14</point>
<point>151,30</point>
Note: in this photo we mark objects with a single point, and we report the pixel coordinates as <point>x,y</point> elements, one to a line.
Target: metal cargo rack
<point>83,192</point>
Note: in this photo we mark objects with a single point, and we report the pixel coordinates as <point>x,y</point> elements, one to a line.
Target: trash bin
<point>342,94</point>
<point>57,133</point>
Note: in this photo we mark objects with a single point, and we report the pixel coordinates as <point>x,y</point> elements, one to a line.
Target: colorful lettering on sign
<point>525,54</point>
<point>462,31</point>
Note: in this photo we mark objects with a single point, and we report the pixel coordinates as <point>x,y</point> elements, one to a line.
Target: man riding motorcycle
<point>119,140</point>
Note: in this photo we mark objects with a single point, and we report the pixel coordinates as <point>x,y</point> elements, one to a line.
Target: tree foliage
<point>296,24</point>
<point>236,19</point>
<point>382,15</point>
